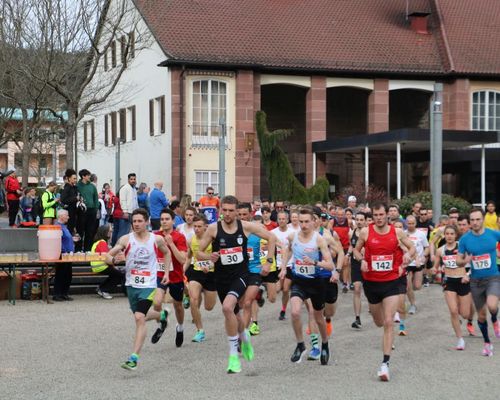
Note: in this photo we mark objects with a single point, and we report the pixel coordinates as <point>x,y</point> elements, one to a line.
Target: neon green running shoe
<point>130,365</point>
<point>233,364</point>
<point>247,350</point>
<point>254,329</point>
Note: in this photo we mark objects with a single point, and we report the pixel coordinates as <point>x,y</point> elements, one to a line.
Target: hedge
<point>447,202</point>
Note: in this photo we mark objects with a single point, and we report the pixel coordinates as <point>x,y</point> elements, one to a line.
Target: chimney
<point>419,22</point>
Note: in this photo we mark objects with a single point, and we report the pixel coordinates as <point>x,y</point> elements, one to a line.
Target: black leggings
<point>62,279</point>
<point>13,210</point>
<point>115,278</point>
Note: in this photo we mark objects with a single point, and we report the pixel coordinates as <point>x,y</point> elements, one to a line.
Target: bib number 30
<point>231,256</point>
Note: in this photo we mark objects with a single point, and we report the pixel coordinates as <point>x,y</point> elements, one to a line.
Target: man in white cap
<point>351,203</point>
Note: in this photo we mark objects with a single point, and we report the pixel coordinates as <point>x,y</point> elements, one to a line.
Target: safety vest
<point>97,266</point>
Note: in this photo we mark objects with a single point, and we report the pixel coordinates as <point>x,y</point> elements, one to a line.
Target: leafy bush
<point>447,202</point>
<point>375,194</point>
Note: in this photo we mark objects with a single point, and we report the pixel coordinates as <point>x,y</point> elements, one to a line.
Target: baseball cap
<point>351,198</point>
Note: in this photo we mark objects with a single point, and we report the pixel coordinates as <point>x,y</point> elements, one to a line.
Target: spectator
<point>49,204</point>
<point>102,213</point>
<point>64,271</point>
<point>416,209</point>
<point>107,195</point>
<point>14,192</point>
<point>210,205</point>
<point>256,205</point>
<point>121,224</point>
<point>266,219</point>
<point>142,196</point>
<point>279,206</point>
<point>352,203</point>
<point>28,205</point>
<point>69,198</point>
<point>128,196</point>
<point>186,201</point>
<point>114,276</point>
<point>175,206</point>
<point>157,202</point>
<point>93,179</point>
<point>491,218</point>
<point>87,216</point>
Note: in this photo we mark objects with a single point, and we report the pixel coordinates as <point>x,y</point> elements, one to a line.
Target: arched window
<point>486,110</point>
<point>208,107</point>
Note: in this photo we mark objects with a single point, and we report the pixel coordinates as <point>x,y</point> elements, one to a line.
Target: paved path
<point>73,351</point>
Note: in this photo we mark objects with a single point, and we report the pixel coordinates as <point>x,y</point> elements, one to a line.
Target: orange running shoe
<point>308,330</point>
<point>470,329</point>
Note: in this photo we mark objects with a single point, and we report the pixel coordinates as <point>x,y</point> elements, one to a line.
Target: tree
<point>73,47</point>
<point>282,181</point>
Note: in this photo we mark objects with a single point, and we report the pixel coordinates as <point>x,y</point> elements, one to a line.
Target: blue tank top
<point>253,250</point>
<point>310,249</point>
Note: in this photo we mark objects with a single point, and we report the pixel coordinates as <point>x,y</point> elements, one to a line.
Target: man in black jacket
<point>69,198</point>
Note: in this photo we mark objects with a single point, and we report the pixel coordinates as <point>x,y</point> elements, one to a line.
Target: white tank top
<point>186,231</point>
<point>141,262</point>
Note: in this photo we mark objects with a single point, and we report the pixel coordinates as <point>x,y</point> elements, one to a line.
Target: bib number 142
<point>382,263</point>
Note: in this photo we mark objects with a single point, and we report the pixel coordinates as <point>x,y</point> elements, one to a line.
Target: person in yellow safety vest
<point>115,276</point>
<point>49,204</point>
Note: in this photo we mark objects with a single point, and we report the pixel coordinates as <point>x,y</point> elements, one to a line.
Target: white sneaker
<point>383,373</point>
<point>396,317</point>
<point>104,295</point>
<point>460,344</point>
<point>412,310</point>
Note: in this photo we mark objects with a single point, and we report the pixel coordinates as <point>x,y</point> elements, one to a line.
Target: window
<point>113,53</point>
<point>204,179</point>
<point>113,127</point>
<point>123,48</point>
<point>157,116</point>
<point>106,130</point>
<point>486,110</point>
<point>123,125</point>
<point>106,60</point>
<point>131,40</point>
<point>209,107</point>
<point>89,135</point>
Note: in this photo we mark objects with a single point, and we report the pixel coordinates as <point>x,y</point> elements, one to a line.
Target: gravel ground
<point>73,350</point>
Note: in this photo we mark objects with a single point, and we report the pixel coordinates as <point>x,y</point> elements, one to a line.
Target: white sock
<point>245,336</point>
<point>179,328</point>
<point>233,345</point>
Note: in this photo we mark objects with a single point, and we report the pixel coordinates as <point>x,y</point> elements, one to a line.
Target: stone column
<point>456,105</point>
<point>378,107</point>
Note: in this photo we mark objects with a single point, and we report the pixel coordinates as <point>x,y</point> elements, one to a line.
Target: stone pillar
<point>256,152</point>
<point>247,163</point>
<point>178,125</point>
<point>456,105</point>
<point>378,107</point>
<point>315,121</point>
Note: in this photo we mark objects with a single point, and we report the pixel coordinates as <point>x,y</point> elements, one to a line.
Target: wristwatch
<point>270,260</point>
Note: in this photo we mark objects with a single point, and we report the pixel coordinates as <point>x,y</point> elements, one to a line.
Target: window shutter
<point>113,53</point>
<point>162,117</point>
<point>113,128</point>
<point>92,135</point>
<point>106,60</point>
<point>123,125</point>
<point>123,43</point>
<point>151,117</point>
<point>131,39</point>
<point>133,123</point>
<point>106,142</point>
<point>85,136</point>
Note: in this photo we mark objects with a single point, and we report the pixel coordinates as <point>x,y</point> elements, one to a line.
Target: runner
<point>455,283</point>
<point>400,316</point>
<point>201,279</point>
<point>269,224</point>
<point>416,266</point>
<point>229,245</point>
<point>178,247</point>
<point>282,232</point>
<point>382,266</point>
<point>141,265</point>
<point>340,226</point>
<point>478,247</point>
<point>187,228</point>
<point>310,255</point>
<point>294,220</point>
<point>355,265</point>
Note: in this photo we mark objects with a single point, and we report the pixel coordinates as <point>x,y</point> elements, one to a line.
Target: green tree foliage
<point>448,201</point>
<point>282,182</point>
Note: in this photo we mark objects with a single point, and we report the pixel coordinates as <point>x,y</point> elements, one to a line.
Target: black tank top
<point>354,240</point>
<point>232,249</point>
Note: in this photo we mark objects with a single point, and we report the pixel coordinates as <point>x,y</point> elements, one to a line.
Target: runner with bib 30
<point>382,267</point>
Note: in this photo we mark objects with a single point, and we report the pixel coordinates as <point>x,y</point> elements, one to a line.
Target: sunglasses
<point>210,192</point>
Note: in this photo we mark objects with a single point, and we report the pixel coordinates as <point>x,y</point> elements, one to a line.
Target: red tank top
<point>383,255</point>
<point>342,230</point>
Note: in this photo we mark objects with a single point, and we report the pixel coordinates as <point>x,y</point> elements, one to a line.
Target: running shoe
<point>199,336</point>
<point>130,365</point>
<point>356,325</point>
<point>325,355</point>
<point>104,295</point>
<point>460,344</point>
<point>397,318</point>
<point>298,354</point>
<point>185,301</point>
<point>402,332</point>
<point>282,316</point>
<point>233,364</point>
<point>308,330</point>
<point>179,337</point>
<point>470,329</point>
<point>159,332</point>
<point>247,350</point>
<point>345,288</point>
<point>351,286</point>
<point>329,328</point>
<point>383,372</point>
<point>314,354</point>
<point>254,329</point>
<point>488,350</point>
<point>260,297</point>
<point>496,328</point>
<point>412,310</point>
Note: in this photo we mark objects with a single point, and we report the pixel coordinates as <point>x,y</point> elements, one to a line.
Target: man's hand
<point>364,266</point>
<point>168,239</point>
<point>120,257</point>
<point>265,269</point>
<point>308,260</point>
<point>282,273</point>
<point>335,277</point>
<point>466,279</point>
<point>406,259</point>
<point>164,280</point>
<point>214,257</point>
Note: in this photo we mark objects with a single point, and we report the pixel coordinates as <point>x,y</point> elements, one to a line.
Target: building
<point>332,71</point>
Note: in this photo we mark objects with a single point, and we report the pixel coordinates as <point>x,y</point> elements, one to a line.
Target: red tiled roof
<point>331,35</point>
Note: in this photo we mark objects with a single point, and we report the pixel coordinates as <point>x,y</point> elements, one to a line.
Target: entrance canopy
<point>409,141</point>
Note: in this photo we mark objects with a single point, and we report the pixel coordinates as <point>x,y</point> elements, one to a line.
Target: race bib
<point>263,253</point>
<point>250,253</point>
<point>140,278</point>
<point>304,269</point>
<point>382,263</point>
<point>481,262</point>
<point>161,266</point>
<point>204,264</point>
<point>231,256</point>
<point>450,261</point>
